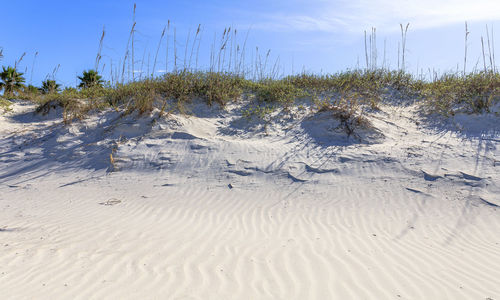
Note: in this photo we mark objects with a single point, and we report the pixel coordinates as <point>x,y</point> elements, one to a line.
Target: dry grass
<point>451,93</point>
<point>447,95</point>
<point>348,110</point>
<point>230,77</point>
<point>5,105</point>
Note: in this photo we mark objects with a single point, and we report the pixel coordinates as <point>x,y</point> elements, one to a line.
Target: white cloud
<point>356,15</point>
<point>300,22</point>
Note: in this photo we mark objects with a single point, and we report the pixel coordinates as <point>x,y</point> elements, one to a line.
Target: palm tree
<point>12,81</point>
<point>89,79</point>
<point>50,86</point>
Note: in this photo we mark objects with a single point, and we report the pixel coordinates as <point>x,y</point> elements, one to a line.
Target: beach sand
<point>216,206</point>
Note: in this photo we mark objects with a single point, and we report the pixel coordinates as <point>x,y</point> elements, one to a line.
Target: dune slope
<point>217,206</point>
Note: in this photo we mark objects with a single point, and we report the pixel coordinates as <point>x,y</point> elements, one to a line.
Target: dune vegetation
<point>230,78</point>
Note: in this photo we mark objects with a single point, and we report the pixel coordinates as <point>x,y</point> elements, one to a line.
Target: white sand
<point>219,207</point>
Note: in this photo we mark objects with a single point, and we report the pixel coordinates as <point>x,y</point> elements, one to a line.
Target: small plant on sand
<point>90,79</point>
<point>4,105</point>
<point>261,112</point>
<point>12,81</point>
<point>348,111</point>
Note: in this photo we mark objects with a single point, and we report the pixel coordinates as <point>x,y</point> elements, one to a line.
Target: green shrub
<point>258,111</point>
<point>451,93</point>
<point>280,91</point>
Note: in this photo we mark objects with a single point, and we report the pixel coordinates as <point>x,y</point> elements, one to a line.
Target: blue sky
<point>315,35</point>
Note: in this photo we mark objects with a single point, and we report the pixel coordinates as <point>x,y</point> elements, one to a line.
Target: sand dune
<point>215,207</point>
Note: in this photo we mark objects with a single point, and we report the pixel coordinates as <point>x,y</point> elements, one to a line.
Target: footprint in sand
<point>110,202</point>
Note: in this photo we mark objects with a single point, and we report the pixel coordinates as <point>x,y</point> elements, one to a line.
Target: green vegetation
<point>31,89</point>
<point>229,77</point>
<point>347,110</point>
<point>90,79</point>
<point>447,95</point>
<point>260,112</point>
<point>50,87</point>
<point>11,81</point>
<point>4,105</point>
<point>277,91</point>
<point>474,93</point>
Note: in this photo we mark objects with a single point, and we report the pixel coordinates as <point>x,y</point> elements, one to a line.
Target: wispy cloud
<point>356,15</point>
<point>300,22</point>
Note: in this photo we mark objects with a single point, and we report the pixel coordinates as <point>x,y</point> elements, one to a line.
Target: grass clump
<point>138,96</point>
<point>71,107</point>
<point>277,91</point>
<point>261,112</point>
<point>76,104</point>
<point>5,105</point>
<point>348,111</point>
<point>357,80</point>
<point>178,88</point>
<point>451,93</point>
<point>370,86</point>
<point>218,87</point>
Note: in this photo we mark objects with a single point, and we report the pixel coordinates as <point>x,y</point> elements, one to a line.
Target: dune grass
<point>230,76</point>
<point>4,105</point>
<point>446,95</point>
<point>473,93</point>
